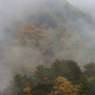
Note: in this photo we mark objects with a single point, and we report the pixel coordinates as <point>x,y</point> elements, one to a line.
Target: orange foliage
<point>58,92</point>
<point>62,85</point>
<point>45,78</point>
<point>27,90</point>
<point>38,30</point>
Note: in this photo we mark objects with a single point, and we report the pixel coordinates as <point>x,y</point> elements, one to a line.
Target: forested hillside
<point>53,29</point>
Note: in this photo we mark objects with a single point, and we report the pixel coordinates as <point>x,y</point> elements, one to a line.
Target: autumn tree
<point>63,87</point>
<point>27,91</point>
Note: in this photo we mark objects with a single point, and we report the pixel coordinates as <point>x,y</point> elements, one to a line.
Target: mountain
<point>52,29</point>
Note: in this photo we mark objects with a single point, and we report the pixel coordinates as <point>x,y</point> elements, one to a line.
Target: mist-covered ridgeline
<point>39,32</point>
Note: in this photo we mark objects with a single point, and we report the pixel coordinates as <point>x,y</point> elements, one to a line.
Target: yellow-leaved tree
<point>63,87</point>
<point>27,91</point>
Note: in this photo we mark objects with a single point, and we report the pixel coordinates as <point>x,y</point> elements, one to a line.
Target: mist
<point>23,59</point>
<point>12,13</point>
<point>85,5</point>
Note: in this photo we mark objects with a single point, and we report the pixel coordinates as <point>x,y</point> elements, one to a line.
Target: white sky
<point>85,5</point>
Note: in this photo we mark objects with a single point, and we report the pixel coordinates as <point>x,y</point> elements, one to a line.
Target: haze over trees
<point>49,31</point>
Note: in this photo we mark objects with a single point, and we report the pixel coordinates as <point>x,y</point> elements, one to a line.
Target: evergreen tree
<point>89,69</point>
<point>68,69</point>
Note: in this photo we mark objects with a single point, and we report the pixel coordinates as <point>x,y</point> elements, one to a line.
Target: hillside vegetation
<point>53,29</point>
<point>63,77</point>
<point>49,33</point>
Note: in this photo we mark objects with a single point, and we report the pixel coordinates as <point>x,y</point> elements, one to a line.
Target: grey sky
<point>85,5</point>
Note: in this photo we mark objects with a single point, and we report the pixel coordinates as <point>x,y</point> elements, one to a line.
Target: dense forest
<point>63,77</point>
<point>34,49</point>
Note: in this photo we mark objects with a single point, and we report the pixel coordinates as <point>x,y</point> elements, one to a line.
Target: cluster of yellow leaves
<point>46,80</point>
<point>27,90</point>
<point>63,86</point>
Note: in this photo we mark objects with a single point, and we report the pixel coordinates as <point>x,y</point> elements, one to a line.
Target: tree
<point>87,87</point>
<point>41,72</point>
<point>91,86</point>
<point>19,82</point>
<point>16,85</point>
<point>68,69</point>
<point>43,87</point>
<point>83,85</point>
<point>27,91</point>
<point>89,69</point>
<point>63,87</point>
